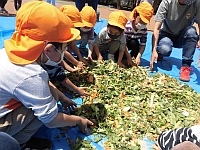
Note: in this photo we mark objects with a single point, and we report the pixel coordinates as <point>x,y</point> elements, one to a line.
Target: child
<point>136,30</point>
<point>25,97</point>
<point>88,16</point>
<point>73,13</point>
<point>112,38</point>
<point>55,71</point>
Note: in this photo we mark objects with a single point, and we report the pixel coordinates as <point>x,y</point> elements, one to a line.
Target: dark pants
<point>133,45</point>
<point>3,3</point>
<point>187,40</point>
<point>17,4</point>
<point>8,142</point>
<point>81,3</point>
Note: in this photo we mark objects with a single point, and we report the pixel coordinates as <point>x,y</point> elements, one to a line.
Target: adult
<point>173,28</point>
<point>2,5</point>
<point>26,102</point>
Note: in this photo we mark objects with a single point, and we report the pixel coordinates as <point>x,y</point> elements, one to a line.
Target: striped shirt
<point>130,33</point>
<point>171,138</point>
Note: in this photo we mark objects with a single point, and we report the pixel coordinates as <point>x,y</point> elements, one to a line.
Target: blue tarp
<point>170,65</point>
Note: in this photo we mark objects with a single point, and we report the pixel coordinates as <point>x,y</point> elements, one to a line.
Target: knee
<point>165,47</point>
<point>191,33</point>
<point>164,50</point>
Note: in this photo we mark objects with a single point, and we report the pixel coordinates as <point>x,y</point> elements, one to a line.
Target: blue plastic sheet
<point>170,65</point>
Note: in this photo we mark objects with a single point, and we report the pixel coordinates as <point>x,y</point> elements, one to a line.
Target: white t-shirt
<point>27,85</point>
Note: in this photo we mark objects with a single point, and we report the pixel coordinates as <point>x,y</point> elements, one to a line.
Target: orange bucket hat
<point>88,16</point>
<point>37,23</point>
<point>117,18</point>
<point>145,10</point>
<point>73,13</point>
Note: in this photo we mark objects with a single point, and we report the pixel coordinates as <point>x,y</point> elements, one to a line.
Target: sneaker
<point>3,11</point>
<point>185,73</point>
<point>37,144</point>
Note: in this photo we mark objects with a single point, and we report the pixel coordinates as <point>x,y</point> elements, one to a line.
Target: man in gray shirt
<point>173,28</point>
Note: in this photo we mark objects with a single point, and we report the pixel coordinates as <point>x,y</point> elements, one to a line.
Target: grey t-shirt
<point>176,17</point>
<point>103,39</point>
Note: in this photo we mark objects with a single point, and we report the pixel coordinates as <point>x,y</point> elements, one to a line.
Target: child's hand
<point>137,61</point>
<point>76,69</point>
<point>81,91</point>
<point>90,58</point>
<point>79,64</point>
<point>68,103</point>
<point>121,65</point>
<point>83,60</point>
<point>100,57</point>
<point>83,125</point>
<point>154,58</point>
<point>129,61</point>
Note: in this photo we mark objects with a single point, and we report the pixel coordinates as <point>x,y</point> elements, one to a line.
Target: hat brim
<point>145,20</point>
<point>87,24</point>
<point>116,24</point>
<point>79,24</point>
<point>27,50</point>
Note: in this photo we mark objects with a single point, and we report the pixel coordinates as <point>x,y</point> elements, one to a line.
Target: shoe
<point>160,58</point>
<point>3,11</point>
<point>185,73</point>
<point>37,144</point>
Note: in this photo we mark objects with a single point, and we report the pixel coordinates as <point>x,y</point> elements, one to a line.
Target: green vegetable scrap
<point>128,104</point>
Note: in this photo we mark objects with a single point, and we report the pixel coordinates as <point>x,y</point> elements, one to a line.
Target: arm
<point>62,120</point>
<point>90,50</point>
<point>119,62</point>
<point>77,52</point>
<point>67,67</point>
<point>155,37</point>
<point>66,102</point>
<point>80,90</point>
<point>99,56</point>
<point>69,57</point>
<point>141,51</point>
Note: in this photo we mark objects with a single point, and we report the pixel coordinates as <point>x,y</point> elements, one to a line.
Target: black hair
<point>137,14</point>
<point>120,29</point>
<point>56,44</point>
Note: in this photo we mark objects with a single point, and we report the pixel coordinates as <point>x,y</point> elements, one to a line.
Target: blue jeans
<point>187,39</point>
<point>81,3</point>
<point>53,2</point>
<point>8,142</point>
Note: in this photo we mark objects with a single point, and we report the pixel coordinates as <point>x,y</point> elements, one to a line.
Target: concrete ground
<point>104,10</point>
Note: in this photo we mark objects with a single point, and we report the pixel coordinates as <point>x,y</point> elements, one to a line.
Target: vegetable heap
<point>129,104</point>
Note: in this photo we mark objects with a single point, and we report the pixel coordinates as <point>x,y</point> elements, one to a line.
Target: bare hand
<point>83,60</point>
<point>83,125</point>
<point>154,58</point>
<point>100,57</point>
<point>76,69</point>
<point>121,65</point>
<point>90,58</point>
<point>137,61</point>
<point>68,103</point>
<point>81,91</point>
<point>129,61</point>
<point>80,64</point>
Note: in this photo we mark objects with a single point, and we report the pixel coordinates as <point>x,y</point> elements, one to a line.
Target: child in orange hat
<point>73,13</point>
<point>25,95</point>
<point>136,31</point>
<point>88,16</point>
<point>112,39</point>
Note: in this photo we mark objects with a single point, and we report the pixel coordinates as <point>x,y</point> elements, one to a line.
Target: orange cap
<point>37,23</point>
<point>88,16</point>
<point>73,13</point>
<point>145,10</point>
<point>117,18</point>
